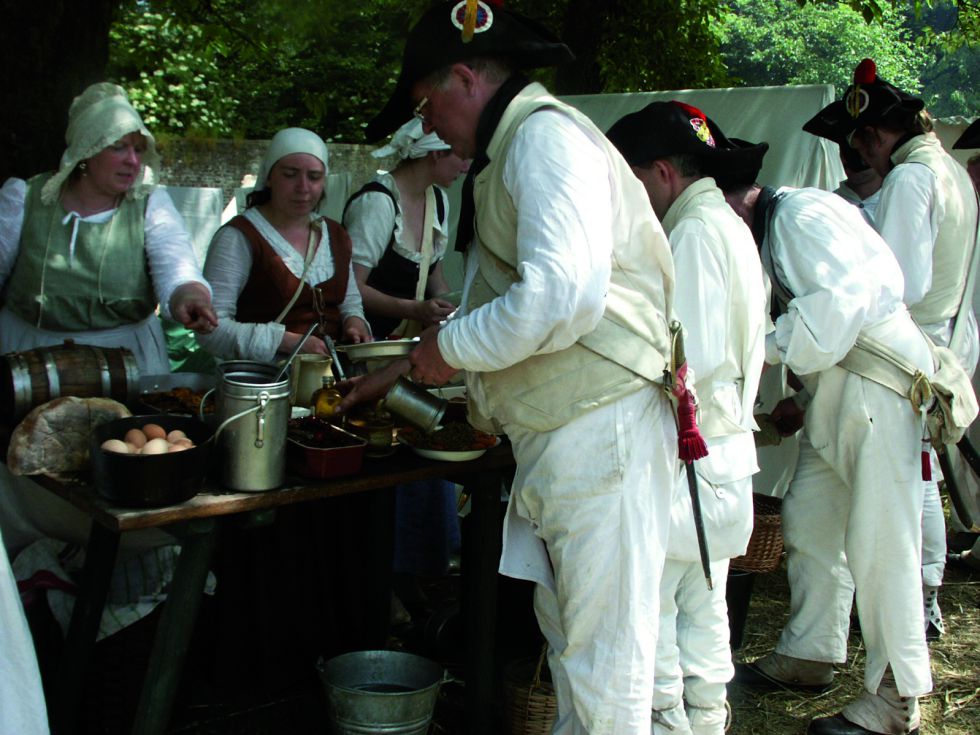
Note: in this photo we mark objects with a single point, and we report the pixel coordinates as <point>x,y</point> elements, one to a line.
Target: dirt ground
<point>953,708</point>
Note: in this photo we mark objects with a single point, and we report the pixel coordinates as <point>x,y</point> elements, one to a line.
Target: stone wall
<point>225,163</point>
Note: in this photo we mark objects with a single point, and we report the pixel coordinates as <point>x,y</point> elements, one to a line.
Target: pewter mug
<point>415,405</point>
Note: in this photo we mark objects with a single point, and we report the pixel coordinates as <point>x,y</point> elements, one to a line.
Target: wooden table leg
<point>481,558</point>
<point>198,542</point>
<point>100,557</point>
<point>380,554</point>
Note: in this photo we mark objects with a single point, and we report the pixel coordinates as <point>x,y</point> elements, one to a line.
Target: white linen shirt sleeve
<point>820,255</point>
<point>227,267</point>
<point>559,180</point>
<point>169,250</point>
<point>352,305</point>
<point>370,220</point>
<point>12,197</point>
<point>907,218</point>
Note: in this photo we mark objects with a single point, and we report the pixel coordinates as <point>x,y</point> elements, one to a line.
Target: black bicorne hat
<point>833,123</point>
<point>870,98</point>
<point>465,29</point>
<point>663,129</point>
<point>739,165</point>
<point>970,137</point>
<point>674,128</point>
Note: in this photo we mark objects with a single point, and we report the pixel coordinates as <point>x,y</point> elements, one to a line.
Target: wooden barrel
<point>28,379</point>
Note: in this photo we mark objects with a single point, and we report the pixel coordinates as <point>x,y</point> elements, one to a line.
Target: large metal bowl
<point>150,481</point>
<point>369,356</point>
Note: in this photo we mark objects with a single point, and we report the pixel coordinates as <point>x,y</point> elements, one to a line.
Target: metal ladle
<point>320,305</point>
<point>336,358</point>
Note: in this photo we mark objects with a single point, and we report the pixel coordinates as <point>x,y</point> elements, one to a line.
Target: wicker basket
<point>530,706</point>
<point>766,545</point>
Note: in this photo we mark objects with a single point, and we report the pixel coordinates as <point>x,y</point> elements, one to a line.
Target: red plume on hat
<point>689,109</point>
<point>866,72</point>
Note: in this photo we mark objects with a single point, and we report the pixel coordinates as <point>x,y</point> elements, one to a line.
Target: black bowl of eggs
<point>150,461</point>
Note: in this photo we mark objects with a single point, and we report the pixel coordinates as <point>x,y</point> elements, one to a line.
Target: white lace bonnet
<point>98,117</point>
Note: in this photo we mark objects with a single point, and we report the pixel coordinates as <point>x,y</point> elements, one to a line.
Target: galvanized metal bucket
<point>253,418</point>
<point>387,692</point>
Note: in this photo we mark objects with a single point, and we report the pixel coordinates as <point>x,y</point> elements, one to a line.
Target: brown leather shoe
<point>840,725</point>
<point>750,675</point>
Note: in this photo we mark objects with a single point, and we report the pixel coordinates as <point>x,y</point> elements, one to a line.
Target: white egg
<point>178,448</point>
<point>116,445</point>
<point>156,446</point>
<point>175,435</point>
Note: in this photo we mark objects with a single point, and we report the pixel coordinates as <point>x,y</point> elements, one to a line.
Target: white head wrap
<point>97,118</point>
<point>286,142</point>
<point>410,142</point>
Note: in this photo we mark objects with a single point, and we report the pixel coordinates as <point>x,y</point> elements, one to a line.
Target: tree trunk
<point>583,30</point>
<point>52,50</point>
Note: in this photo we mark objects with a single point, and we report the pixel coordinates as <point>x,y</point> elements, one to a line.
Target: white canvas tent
<point>772,114</point>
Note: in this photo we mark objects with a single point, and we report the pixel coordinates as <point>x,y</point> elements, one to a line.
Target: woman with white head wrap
<point>88,251</point>
<point>397,222</point>
<point>264,266</point>
<point>266,263</point>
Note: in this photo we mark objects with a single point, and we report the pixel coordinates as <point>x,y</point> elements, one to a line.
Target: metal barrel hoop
<point>51,374</point>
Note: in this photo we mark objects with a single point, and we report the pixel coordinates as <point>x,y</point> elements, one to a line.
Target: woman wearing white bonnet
<point>399,221</point>
<point>88,251</point>
<point>266,263</point>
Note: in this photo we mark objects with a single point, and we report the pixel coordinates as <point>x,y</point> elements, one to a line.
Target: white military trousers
<point>694,660</point>
<point>597,493</point>
<point>872,533</point>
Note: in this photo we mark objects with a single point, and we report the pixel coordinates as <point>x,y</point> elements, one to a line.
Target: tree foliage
<point>170,70</point>
<point>778,42</point>
<point>220,67</point>
<point>255,67</point>
<point>924,50</point>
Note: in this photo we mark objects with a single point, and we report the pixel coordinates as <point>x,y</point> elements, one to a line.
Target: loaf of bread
<point>54,437</point>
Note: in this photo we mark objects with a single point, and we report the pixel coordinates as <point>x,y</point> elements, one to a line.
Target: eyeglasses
<point>418,111</point>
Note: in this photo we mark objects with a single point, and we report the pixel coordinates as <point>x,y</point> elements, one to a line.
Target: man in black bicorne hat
<point>863,184</point>
<point>852,511</point>
<point>928,216</point>
<point>670,146</point>
<point>928,210</point>
<point>563,336</point>
<point>834,123</point>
